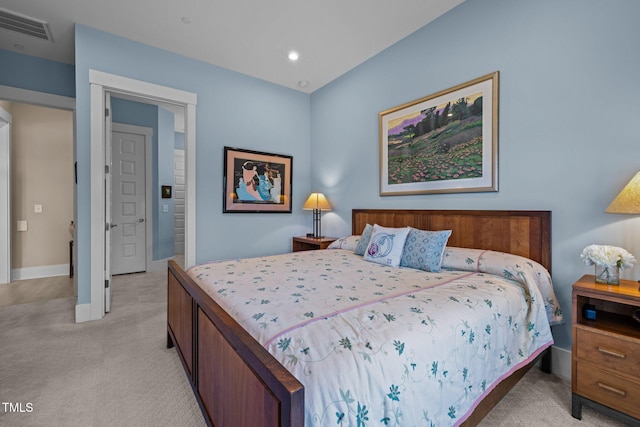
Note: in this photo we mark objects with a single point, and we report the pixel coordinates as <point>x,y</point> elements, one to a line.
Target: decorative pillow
<point>349,243</point>
<point>364,240</point>
<point>386,245</point>
<point>464,259</point>
<point>424,249</point>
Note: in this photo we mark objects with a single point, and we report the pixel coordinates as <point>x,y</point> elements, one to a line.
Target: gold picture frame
<point>446,142</point>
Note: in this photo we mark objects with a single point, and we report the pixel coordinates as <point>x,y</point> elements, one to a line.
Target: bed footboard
<point>235,380</point>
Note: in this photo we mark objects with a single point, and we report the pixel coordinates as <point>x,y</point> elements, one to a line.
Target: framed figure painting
<point>256,182</point>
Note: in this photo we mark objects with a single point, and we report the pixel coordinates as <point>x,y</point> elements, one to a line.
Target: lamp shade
<point>317,201</point>
<point>628,200</point>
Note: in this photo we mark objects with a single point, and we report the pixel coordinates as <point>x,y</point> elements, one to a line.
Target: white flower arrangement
<point>607,256</point>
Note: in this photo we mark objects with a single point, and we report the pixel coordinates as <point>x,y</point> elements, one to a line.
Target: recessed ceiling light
<point>303,83</point>
<point>186,20</point>
<point>293,55</point>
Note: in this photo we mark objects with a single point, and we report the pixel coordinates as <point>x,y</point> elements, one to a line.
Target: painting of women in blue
<point>258,183</point>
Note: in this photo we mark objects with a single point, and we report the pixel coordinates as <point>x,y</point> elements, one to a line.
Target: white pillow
<point>348,243</point>
<point>386,245</point>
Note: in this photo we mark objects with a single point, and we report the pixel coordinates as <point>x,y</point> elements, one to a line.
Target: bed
<point>253,375</point>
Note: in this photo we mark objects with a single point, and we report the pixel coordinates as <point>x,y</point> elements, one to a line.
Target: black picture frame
<point>256,181</point>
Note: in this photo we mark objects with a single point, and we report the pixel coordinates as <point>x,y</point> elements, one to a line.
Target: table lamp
<point>628,200</point>
<point>318,203</point>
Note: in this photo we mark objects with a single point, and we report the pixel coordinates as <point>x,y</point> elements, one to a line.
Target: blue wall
<point>233,110</point>
<point>179,137</point>
<point>568,137</point>
<point>163,246</point>
<point>40,75</point>
<point>567,134</point>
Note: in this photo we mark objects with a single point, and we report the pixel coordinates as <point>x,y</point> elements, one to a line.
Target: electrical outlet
<point>22,225</point>
<point>37,208</point>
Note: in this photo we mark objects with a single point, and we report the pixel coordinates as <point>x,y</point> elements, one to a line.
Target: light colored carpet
<point>113,372</point>
<point>118,372</point>
<point>541,399</point>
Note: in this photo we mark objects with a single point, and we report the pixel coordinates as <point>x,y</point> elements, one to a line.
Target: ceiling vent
<point>24,25</point>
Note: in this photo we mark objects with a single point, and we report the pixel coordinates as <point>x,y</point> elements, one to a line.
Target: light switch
<point>165,208</point>
<point>37,208</point>
<point>22,225</point>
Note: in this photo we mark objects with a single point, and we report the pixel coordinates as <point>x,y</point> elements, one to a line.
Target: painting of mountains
<point>438,143</point>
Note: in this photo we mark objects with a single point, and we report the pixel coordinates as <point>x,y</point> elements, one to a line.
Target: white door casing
<point>5,197</point>
<point>100,84</point>
<point>128,203</point>
<point>107,205</point>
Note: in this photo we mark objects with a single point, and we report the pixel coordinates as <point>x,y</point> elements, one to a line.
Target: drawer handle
<point>622,393</point>
<point>612,353</point>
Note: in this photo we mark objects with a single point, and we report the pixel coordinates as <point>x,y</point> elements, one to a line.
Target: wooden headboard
<point>524,233</point>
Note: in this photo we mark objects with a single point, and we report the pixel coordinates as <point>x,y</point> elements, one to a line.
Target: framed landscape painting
<point>443,143</point>
<point>254,181</point>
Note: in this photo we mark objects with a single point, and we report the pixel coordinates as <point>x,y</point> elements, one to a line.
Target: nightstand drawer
<point>615,352</point>
<point>608,389</point>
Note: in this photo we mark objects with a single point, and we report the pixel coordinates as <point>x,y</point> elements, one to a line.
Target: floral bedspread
<point>375,345</point>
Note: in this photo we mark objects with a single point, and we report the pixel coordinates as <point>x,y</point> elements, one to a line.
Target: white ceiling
<point>248,36</point>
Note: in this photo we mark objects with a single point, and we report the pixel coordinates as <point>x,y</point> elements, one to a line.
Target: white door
<point>5,192</point>
<point>178,200</point>
<point>128,203</point>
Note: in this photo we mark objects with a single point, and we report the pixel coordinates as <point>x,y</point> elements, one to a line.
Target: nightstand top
<point>626,288</point>
<point>315,239</point>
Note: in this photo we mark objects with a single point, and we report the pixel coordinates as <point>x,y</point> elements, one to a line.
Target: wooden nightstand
<point>311,243</point>
<point>605,360</point>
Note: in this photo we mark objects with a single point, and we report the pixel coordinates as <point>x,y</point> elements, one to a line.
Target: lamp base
<point>317,224</point>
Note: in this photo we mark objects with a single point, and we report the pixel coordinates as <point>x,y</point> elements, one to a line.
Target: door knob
<point>140,219</point>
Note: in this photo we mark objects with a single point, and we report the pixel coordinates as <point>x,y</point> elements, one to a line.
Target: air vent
<point>24,25</point>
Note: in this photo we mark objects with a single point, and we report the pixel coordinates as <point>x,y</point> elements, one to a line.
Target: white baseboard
<point>561,362</point>
<point>38,272</point>
<point>83,313</point>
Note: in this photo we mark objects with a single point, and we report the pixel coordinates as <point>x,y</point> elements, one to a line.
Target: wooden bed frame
<point>238,383</point>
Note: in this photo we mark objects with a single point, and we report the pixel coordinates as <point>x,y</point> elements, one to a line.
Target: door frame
<point>42,99</point>
<point>147,133</point>
<point>101,83</point>
<point>5,190</point>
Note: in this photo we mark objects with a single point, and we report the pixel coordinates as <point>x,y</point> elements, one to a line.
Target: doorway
<point>102,86</point>
<point>38,197</point>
